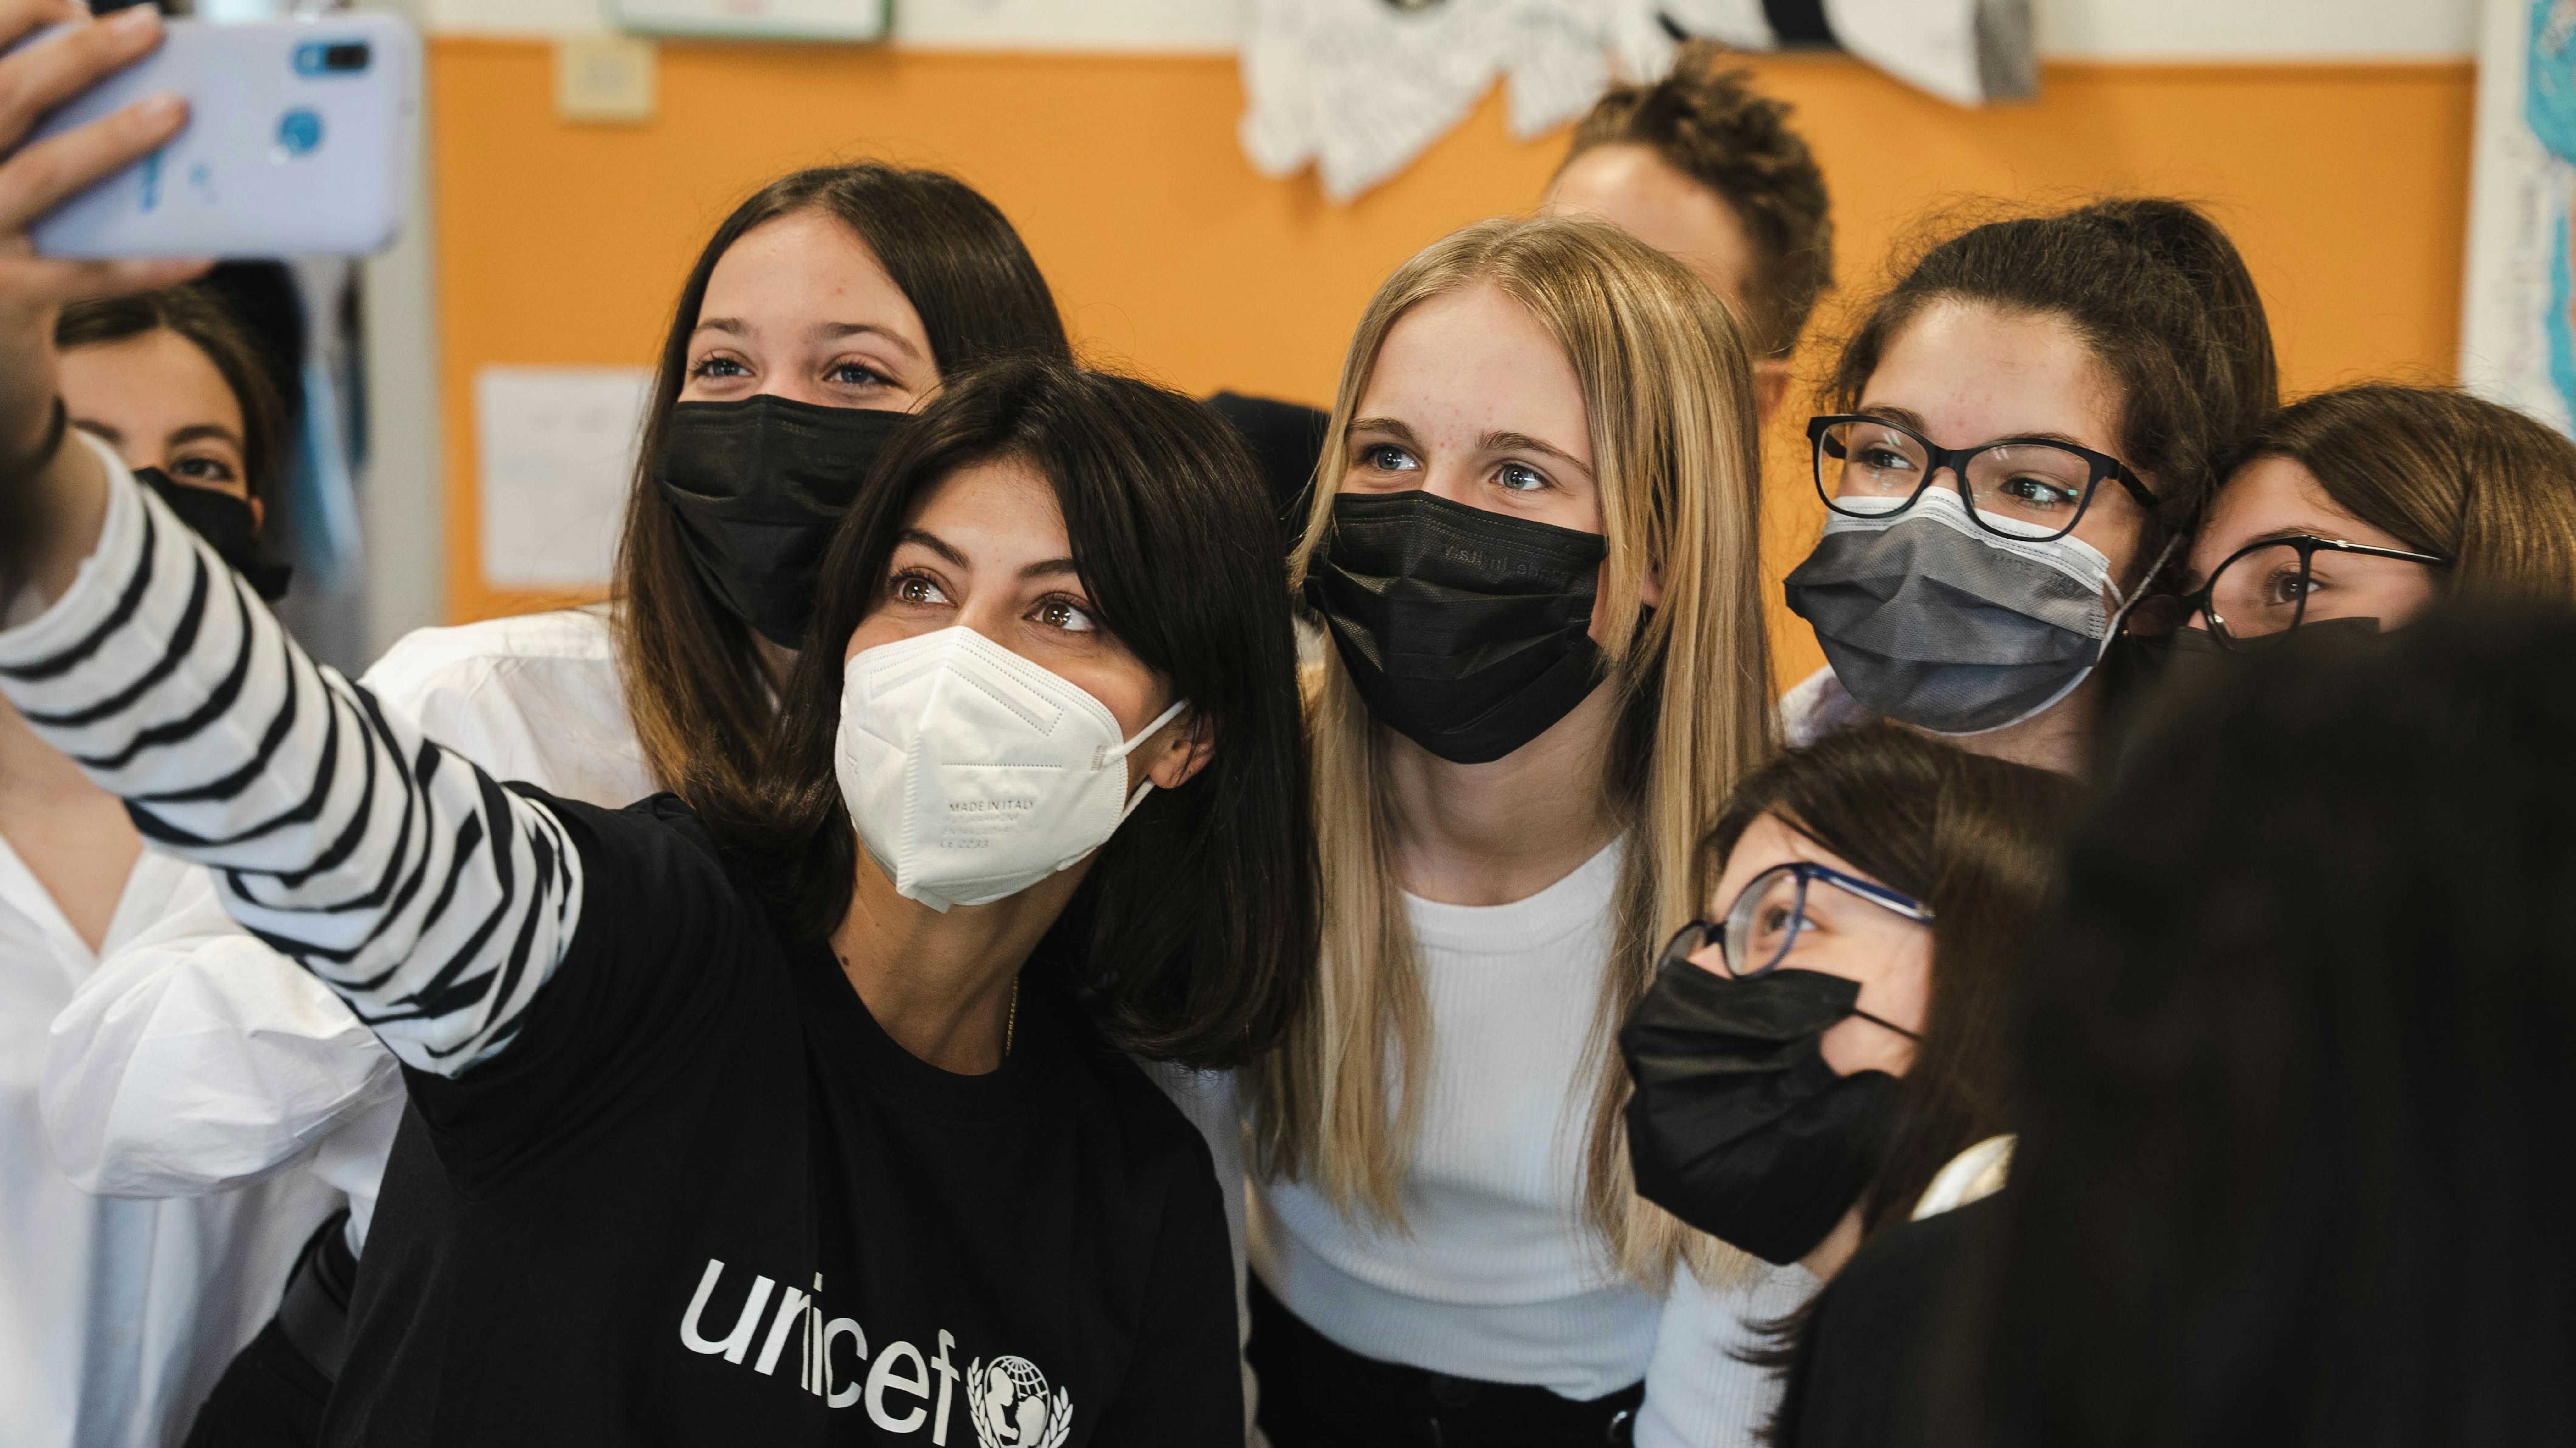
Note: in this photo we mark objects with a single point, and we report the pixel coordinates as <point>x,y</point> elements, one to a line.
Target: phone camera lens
<point>331,57</point>
<point>299,131</point>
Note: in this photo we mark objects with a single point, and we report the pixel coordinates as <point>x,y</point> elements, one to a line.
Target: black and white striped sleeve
<point>430,898</point>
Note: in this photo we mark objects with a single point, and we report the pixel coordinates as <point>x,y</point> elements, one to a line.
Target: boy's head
<point>1700,166</point>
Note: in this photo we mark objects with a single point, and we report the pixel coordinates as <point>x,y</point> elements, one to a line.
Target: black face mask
<point>1465,631</point>
<point>228,525</point>
<point>758,486</point>
<point>1738,1126</point>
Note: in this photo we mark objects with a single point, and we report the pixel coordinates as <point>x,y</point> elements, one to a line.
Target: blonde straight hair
<point>1667,388</point>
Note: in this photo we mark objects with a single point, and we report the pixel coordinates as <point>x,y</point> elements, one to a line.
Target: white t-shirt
<point>116,1315</point>
<point>195,1058</point>
<point>1494,1275</point>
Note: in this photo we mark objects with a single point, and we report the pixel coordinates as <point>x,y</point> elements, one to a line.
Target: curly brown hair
<point>1710,124</point>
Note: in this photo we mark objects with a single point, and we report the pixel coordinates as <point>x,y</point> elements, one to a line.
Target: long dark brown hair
<point>694,685</point>
<point>1972,837</point>
<point>2162,298</point>
<point>2447,474</point>
<point>200,316</point>
<point>1193,936</point>
<point>2295,1079</point>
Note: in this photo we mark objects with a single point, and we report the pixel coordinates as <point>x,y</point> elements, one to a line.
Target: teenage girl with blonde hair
<point>1533,546</point>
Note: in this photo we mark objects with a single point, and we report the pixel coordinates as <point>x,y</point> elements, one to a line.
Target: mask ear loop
<point>2110,631</point>
<point>1108,757</point>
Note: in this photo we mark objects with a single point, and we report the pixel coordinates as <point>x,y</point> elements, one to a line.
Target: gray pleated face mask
<point>1930,619</point>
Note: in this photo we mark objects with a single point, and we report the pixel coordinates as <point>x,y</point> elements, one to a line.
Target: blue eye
<point>719,367</point>
<point>1386,457</point>
<point>1520,478</point>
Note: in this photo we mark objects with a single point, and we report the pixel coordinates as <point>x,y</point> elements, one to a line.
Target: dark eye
<point>719,367</point>
<point>2286,587</point>
<point>1065,614</point>
<point>1880,458</point>
<point>203,469</point>
<point>2038,493</point>
<point>917,588</point>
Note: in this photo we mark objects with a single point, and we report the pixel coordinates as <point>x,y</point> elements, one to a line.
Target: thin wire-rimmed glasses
<point>1764,923</point>
<point>2027,488</point>
<point>2263,591</point>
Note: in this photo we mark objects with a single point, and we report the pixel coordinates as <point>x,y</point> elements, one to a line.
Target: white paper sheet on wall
<point>557,451</point>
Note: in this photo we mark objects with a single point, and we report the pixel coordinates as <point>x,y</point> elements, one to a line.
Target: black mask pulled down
<point>1465,631</point>
<point>1738,1126</point>
<point>758,486</point>
<point>229,526</point>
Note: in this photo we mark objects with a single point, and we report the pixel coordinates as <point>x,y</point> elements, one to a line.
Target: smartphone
<point>299,143</point>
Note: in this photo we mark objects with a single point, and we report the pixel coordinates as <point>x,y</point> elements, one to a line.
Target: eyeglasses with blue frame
<point>1763,924</point>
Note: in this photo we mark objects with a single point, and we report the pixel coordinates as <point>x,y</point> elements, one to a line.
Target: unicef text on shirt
<point>1008,1399</point>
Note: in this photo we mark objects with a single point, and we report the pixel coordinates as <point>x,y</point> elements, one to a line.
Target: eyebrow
<point>1489,442</point>
<point>1914,421</point>
<point>201,431</point>
<point>820,331</point>
<point>934,543</point>
<point>1044,568</point>
<point>112,436</point>
<point>1523,442</point>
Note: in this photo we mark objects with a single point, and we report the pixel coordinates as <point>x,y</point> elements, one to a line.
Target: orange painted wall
<point>2347,186</point>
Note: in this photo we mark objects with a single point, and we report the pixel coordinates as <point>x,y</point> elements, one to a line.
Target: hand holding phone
<point>299,143</point>
<point>51,494</point>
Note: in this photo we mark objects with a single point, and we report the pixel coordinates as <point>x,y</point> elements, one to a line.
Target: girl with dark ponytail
<point>2027,425</point>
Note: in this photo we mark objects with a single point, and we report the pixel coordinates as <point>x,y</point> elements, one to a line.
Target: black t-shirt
<point>1287,442</point>
<point>1884,1336</point>
<point>702,1198</point>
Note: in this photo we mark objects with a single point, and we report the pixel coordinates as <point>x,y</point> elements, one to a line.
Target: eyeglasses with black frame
<point>2263,591</point>
<point>1769,913</point>
<point>2025,488</point>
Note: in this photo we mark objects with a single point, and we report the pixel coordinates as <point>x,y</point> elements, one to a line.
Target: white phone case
<point>299,143</point>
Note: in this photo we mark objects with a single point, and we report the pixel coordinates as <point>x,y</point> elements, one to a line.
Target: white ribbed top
<point>1495,1276</point>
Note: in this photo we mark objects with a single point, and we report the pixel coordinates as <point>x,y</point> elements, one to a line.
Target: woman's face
<point>1473,401</point>
<point>2277,498</point>
<point>798,307</point>
<point>159,401</point>
<point>985,549</point>
<point>1843,934</point>
<point>1964,373</point>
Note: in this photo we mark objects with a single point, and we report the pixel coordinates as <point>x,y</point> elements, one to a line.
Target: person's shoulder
<point>655,821</point>
<point>1864,1359</point>
<point>1816,706</point>
<point>1154,1137</point>
<point>425,657</point>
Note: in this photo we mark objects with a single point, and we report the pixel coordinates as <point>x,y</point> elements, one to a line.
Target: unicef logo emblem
<point>1008,1400</point>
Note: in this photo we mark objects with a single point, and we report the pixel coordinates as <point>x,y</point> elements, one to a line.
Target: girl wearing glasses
<point>1869,891</point>
<point>2024,424</point>
<point>2358,506</point>
<point>1820,1057</point>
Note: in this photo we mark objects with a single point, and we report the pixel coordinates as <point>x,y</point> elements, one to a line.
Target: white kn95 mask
<point>972,773</point>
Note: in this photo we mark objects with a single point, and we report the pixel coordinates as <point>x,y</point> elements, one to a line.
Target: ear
<point>258,512</point>
<point>1651,592</point>
<point>1770,386</point>
<point>1181,749</point>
